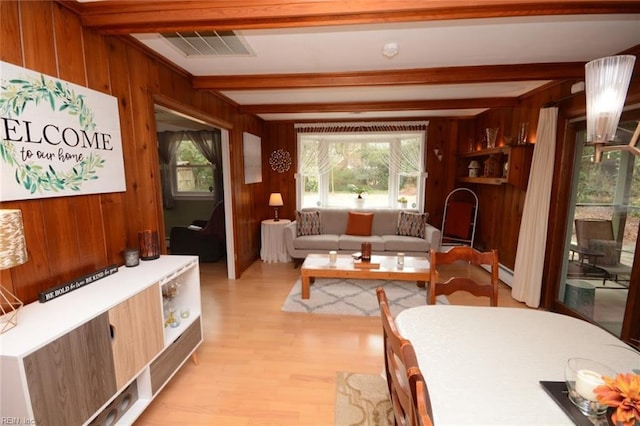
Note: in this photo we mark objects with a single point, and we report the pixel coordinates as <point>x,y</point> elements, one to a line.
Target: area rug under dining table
<point>340,296</point>
<point>362,399</point>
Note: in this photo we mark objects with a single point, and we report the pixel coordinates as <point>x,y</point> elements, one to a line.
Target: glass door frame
<point>558,238</point>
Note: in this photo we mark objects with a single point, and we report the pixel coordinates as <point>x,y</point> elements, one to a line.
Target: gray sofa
<point>384,237</point>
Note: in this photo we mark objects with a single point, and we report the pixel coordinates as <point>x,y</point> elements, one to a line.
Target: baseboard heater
<point>505,274</point>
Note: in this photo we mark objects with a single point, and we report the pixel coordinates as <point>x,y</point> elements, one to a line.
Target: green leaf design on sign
<point>35,178</point>
<point>15,95</point>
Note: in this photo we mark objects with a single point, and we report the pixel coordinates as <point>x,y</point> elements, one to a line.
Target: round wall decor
<point>280,160</point>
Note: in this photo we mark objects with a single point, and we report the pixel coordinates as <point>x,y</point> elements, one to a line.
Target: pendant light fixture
<point>607,81</point>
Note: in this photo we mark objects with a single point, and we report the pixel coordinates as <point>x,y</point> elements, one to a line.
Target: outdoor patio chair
<point>596,235</point>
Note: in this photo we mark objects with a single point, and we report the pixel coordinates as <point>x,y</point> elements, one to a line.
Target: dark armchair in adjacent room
<point>206,239</point>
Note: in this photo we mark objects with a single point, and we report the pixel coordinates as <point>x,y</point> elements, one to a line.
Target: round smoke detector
<point>390,50</point>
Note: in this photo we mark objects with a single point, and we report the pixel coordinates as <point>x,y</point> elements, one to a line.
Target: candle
<point>366,252</point>
<point>586,382</point>
<point>333,256</point>
<point>400,258</point>
<point>131,257</point>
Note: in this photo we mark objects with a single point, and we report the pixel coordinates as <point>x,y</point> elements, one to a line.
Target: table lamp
<point>13,252</point>
<point>275,201</point>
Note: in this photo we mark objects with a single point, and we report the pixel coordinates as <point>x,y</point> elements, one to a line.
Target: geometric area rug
<point>362,399</point>
<point>356,297</point>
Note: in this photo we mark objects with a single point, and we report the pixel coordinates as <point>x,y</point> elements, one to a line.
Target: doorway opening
<point>195,185</point>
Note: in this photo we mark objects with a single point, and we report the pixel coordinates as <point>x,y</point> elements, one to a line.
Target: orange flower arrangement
<point>622,393</point>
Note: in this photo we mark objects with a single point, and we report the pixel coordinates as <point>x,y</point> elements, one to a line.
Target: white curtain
<point>167,147</point>
<point>527,277</point>
<point>318,157</point>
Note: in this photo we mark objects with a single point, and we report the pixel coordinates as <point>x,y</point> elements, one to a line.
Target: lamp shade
<point>607,81</point>
<point>13,248</point>
<point>275,200</point>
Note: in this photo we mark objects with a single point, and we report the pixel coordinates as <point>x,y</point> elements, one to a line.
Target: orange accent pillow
<point>359,224</point>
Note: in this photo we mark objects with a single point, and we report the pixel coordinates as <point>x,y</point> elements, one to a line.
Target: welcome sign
<point>58,138</point>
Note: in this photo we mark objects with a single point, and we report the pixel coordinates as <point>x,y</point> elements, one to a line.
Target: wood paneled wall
<point>500,207</point>
<point>68,237</point>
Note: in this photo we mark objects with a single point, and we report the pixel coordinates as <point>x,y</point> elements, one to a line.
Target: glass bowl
<point>583,376</point>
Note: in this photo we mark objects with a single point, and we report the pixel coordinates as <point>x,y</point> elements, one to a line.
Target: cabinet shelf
<point>118,321</point>
<point>185,297</point>
<point>516,159</point>
<point>483,180</point>
<point>486,152</point>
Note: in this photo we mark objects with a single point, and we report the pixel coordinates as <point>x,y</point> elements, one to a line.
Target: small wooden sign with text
<point>63,289</point>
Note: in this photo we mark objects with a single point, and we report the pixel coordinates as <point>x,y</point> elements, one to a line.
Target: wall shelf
<point>517,159</point>
<point>483,180</point>
<point>486,152</point>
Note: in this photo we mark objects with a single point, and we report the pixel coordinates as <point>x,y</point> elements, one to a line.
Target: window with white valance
<point>384,162</point>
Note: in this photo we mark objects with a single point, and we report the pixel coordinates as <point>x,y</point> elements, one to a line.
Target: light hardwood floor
<point>261,366</point>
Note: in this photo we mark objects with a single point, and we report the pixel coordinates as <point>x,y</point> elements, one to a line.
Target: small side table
<point>274,248</point>
<point>585,253</point>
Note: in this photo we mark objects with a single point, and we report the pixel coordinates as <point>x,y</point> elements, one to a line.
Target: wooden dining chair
<point>469,278</point>
<point>397,380</point>
<point>421,410</point>
<point>421,404</point>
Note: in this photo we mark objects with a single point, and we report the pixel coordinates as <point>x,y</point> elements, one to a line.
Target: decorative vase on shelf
<point>492,135</point>
<point>523,133</point>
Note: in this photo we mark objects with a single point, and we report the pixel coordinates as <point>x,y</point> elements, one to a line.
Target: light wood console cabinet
<point>99,355</point>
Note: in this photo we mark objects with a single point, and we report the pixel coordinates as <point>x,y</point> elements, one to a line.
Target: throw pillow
<point>359,224</point>
<point>609,250</point>
<point>308,223</point>
<point>412,224</point>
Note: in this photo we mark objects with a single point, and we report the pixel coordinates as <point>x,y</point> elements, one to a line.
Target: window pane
<point>193,172</point>
<point>194,179</point>
<point>187,152</point>
<point>336,169</point>
<point>408,189</point>
<point>311,196</point>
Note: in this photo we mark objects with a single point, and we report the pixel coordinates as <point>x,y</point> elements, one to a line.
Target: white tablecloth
<point>483,365</point>
<point>274,248</point>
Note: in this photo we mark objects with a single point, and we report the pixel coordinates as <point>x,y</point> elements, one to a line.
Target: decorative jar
<point>474,169</point>
<point>582,376</point>
<point>492,167</point>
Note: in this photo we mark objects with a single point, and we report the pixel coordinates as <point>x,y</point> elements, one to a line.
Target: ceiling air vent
<point>208,43</point>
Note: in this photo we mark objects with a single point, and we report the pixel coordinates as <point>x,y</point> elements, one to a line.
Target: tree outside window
<point>193,173</point>
<point>382,168</point>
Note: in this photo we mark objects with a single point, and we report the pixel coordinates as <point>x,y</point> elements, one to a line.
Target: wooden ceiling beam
<point>125,17</point>
<point>443,75</point>
<point>447,104</point>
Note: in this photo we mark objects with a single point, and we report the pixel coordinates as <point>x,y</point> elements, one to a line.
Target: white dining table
<point>483,365</point>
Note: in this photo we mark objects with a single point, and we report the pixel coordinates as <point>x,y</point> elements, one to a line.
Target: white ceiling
<point>448,43</point>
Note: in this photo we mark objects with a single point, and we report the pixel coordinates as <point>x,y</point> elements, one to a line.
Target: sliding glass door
<point>602,231</point>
